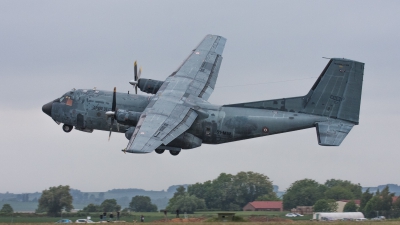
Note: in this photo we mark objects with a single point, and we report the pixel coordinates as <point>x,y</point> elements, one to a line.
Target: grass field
<point>156,218</point>
<point>149,216</point>
<point>245,223</point>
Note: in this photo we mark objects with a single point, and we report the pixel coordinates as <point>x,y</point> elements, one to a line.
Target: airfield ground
<point>153,217</point>
<point>255,223</point>
<point>156,218</point>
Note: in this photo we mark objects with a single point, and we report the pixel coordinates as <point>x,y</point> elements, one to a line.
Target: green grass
<point>269,223</point>
<point>149,216</point>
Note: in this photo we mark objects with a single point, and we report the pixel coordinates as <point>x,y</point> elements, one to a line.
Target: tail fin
<point>337,91</point>
<point>335,94</point>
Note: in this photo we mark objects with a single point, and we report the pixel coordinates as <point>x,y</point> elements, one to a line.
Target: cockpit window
<point>65,98</point>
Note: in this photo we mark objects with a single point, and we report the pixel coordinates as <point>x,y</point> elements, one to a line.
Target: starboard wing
<point>170,112</point>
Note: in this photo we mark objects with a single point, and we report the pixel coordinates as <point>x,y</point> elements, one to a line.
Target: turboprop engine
<point>129,118</point>
<point>149,86</point>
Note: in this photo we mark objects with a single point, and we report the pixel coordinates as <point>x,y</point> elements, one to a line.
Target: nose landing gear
<point>67,128</point>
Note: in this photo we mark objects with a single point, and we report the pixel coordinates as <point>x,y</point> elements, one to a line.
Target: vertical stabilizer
<point>337,91</point>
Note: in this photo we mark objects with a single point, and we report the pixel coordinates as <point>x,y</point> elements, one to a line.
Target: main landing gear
<point>67,128</point>
<point>174,153</point>
<point>159,151</point>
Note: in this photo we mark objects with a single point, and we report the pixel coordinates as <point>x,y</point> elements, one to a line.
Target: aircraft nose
<point>47,108</point>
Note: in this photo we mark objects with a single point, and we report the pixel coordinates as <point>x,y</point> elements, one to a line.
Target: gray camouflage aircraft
<point>178,115</point>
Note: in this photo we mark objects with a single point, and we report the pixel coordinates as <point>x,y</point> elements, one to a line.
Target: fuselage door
<point>80,121</point>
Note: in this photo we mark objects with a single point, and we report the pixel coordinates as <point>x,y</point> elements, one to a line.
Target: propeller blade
<point>135,70</point>
<point>135,89</point>
<point>112,112</point>
<point>111,126</point>
<point>114,103</point>
<point>140,72</point>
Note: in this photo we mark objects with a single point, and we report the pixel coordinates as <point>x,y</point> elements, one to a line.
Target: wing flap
<point>184,125</point>
<point>332,133</point>
<point>155,128</point>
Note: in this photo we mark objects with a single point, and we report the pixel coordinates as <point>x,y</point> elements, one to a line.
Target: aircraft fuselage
<point>85,109</point>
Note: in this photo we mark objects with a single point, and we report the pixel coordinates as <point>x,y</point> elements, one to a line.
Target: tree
<point>141,203</point>
<point>181,190</point>
<point>387,199</point>
<point>250,186</point>
<point>7,209</point>
<point>110,205</point>
<point>54,200</point>
<point>338,193</point>
<point>396,204</point>
<point>382,202</point>
<point>365,197</point>
<point>355,189</point>
<point>325,205</point>
<point>304,192</point>
<point>186,203</point>
<point>231,192</point>
<point>350,207</point>
<point>92,208</point>
<point>269,197</point>
<point>373,205</point>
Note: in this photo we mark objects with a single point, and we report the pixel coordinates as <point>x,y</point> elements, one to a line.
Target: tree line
<point>232,192</point>
<point>323,198</point>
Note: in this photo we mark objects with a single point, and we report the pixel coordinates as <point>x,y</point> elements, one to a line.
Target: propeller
<point>112,112</point>
<point>137,76</point>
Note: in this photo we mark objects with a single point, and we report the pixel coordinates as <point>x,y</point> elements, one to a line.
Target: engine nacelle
<point>149,86</point>
<point>129,132</point>
<point>186,141</point>
<point>129,118</point>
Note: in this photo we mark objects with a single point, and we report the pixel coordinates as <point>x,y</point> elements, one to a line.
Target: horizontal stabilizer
<point>332,133</point>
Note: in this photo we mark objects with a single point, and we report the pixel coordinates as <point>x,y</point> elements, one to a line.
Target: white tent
<point>337,215</point>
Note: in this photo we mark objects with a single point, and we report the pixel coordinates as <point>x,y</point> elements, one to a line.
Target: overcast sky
<point>50,47</point>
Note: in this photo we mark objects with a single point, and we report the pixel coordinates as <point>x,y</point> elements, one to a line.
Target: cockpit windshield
<point>64,98</point>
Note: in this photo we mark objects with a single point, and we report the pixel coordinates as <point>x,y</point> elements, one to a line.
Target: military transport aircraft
<point>178,116</point>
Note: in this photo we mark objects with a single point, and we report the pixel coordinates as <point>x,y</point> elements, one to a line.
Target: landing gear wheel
<point>67,128</point>
<point>174,153</point>
<point>159,151</point>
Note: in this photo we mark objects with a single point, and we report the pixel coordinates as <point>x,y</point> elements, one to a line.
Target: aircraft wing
<point>171,111</point>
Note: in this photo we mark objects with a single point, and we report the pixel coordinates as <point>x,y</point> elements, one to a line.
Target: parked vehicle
<point>361,219</point>
<point>379,218</point>
<point>83,221</point>
<point>297,214</point>
<point>327,219</point>
<point>64,221</point>
<point>291,215</point>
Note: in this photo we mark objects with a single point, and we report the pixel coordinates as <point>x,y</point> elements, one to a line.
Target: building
<point>342,203</point>
<point>337,216</point>
<point>264,206</point>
